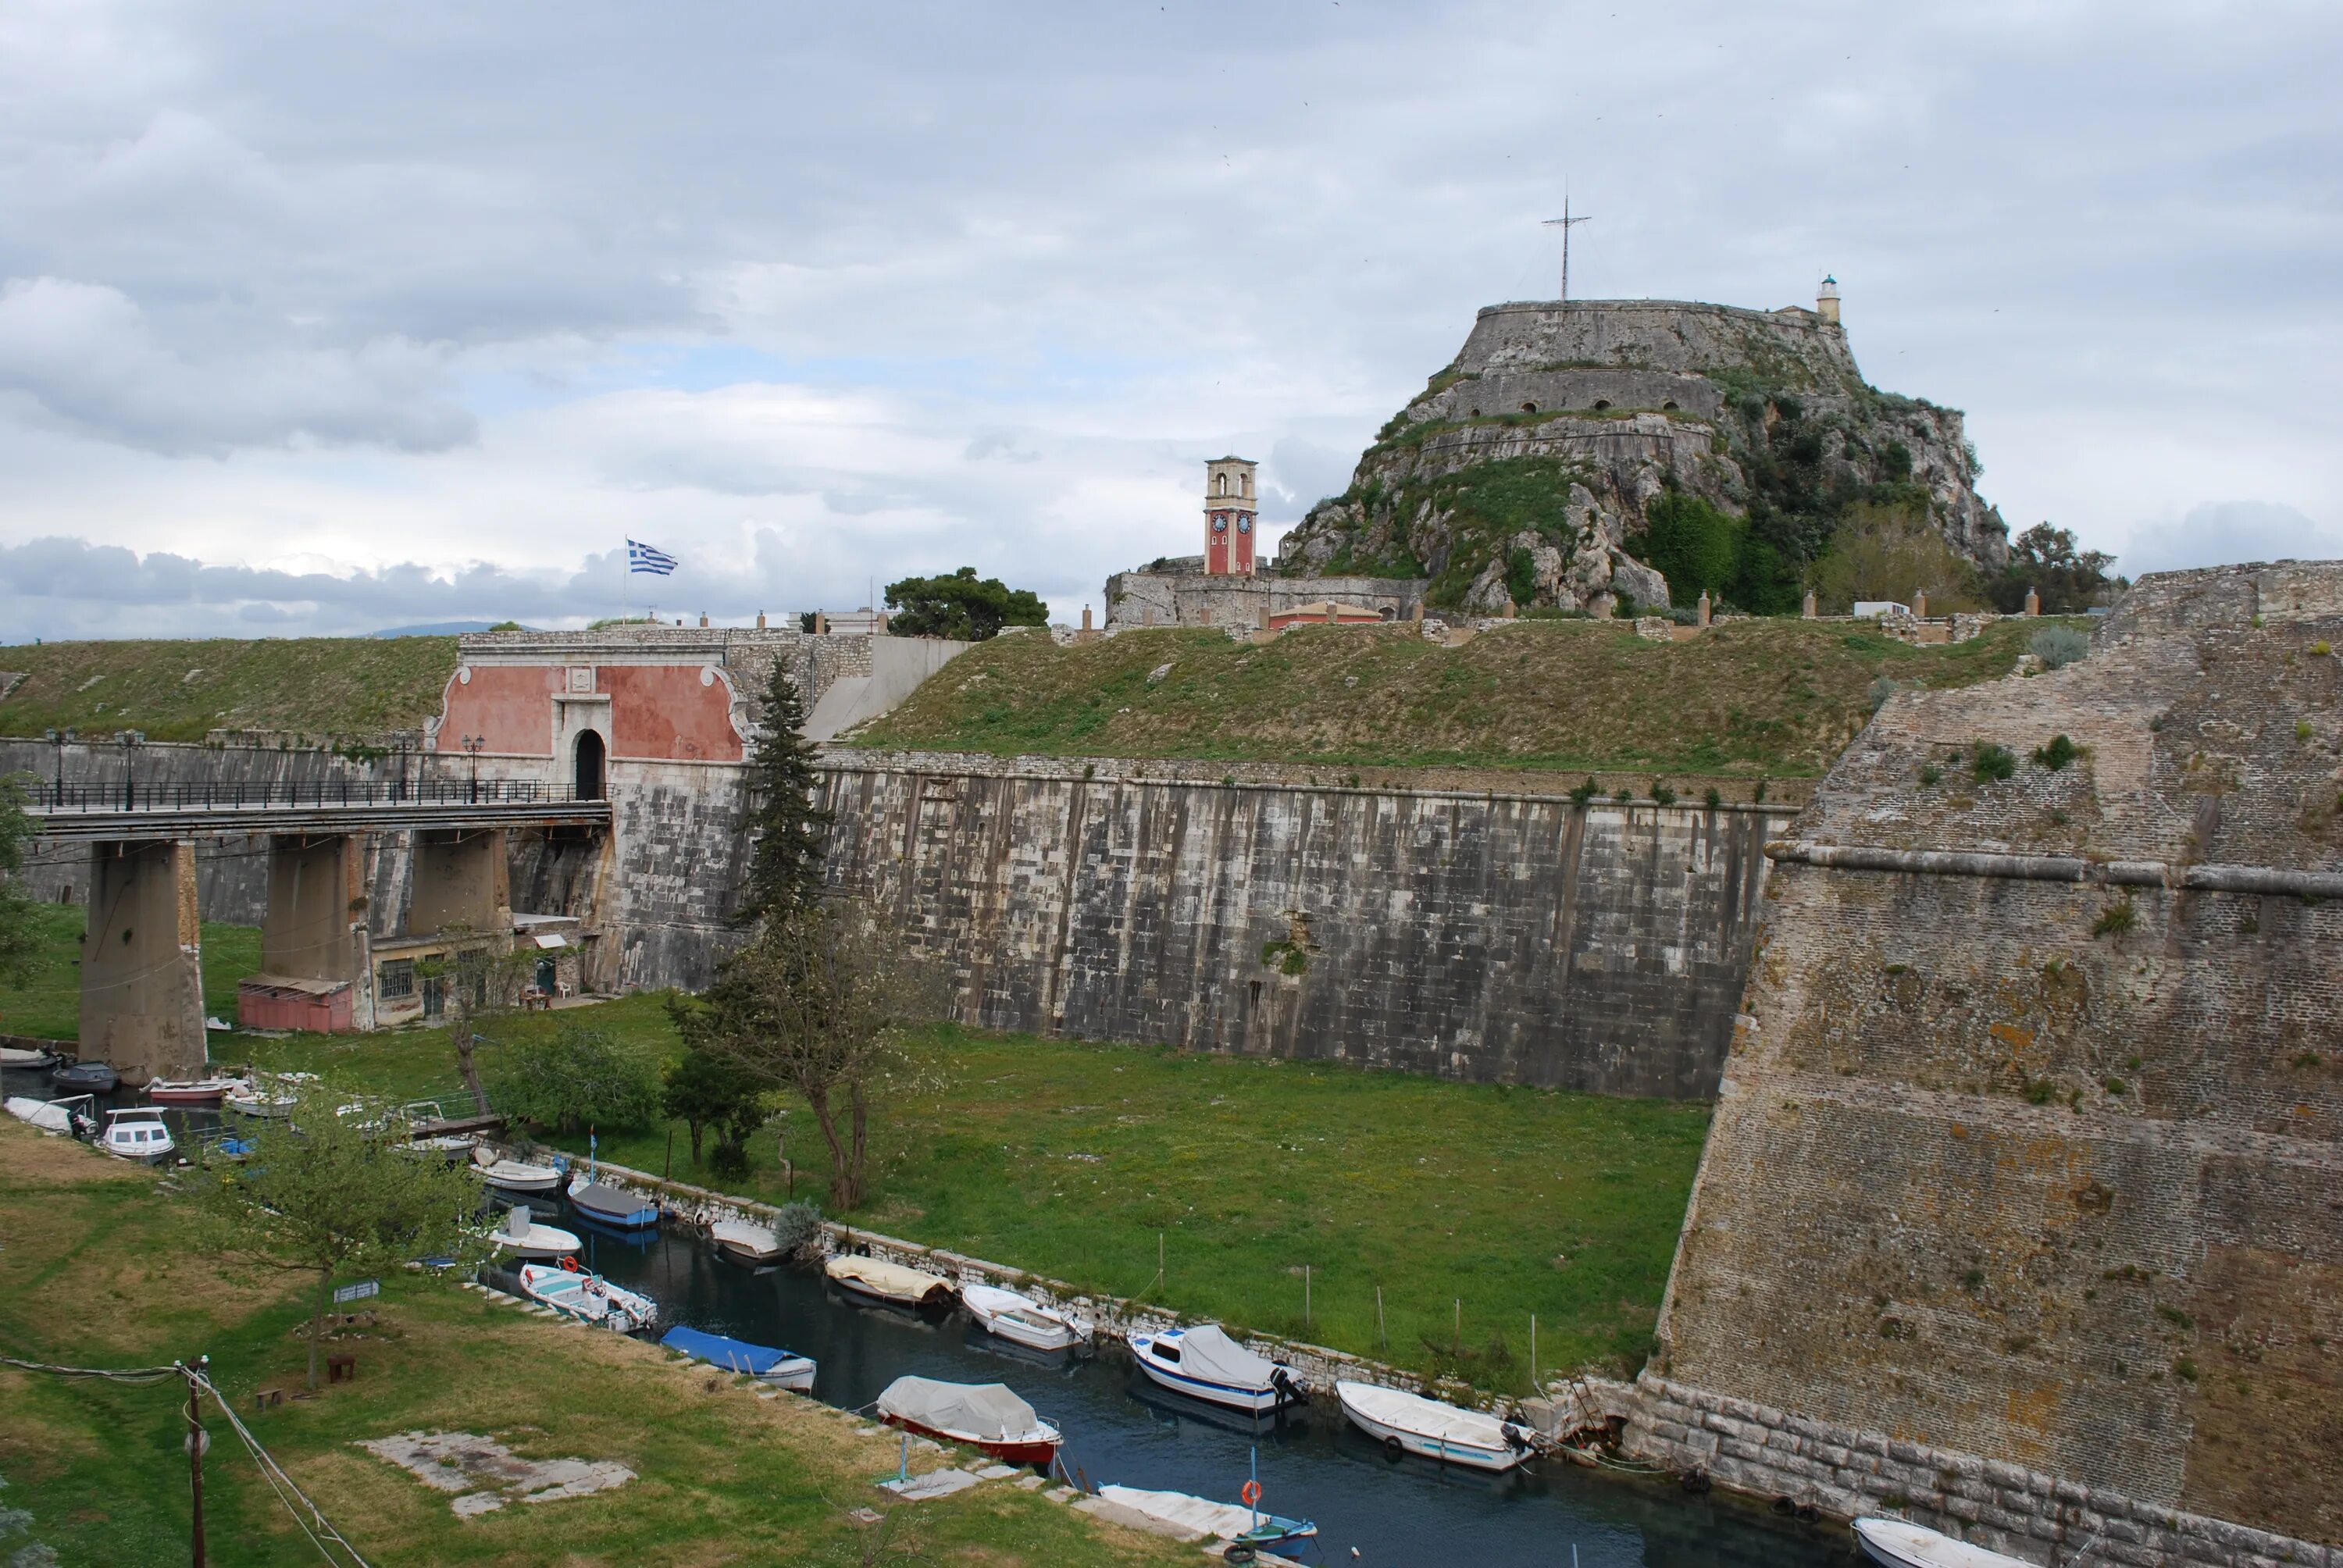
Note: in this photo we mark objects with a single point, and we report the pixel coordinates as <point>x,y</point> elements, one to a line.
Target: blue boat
<point>611,1205</point>
<point>783,1368</point>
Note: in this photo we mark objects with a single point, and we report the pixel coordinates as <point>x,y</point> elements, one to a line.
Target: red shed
<point>283,1002</point>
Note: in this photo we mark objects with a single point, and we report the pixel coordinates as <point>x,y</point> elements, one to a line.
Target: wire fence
<point>56,796</point>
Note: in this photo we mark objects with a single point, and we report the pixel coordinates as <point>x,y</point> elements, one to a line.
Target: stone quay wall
<point>1510,938</point>
<point>2030,1146</point>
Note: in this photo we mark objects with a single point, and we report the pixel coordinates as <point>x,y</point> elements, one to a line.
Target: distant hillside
<point>321,687</point>
<point>1750,698</point>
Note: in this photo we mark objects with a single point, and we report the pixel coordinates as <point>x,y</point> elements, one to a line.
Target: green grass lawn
<point>314,686</point>
<point>47,1004</point>
<point>97,1270</point>
<point>1071,1159</point>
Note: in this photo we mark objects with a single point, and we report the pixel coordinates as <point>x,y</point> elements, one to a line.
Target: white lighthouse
<point>1826,300</point>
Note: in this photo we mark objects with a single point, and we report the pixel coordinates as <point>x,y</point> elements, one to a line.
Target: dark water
<point>1118,1428</point>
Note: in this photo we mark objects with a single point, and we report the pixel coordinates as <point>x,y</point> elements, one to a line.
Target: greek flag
<point>643,559</point>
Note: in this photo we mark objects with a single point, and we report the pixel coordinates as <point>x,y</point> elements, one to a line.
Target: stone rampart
<point>1513,938</point>
<point>2026,1151</point>
<point>1142,599</point>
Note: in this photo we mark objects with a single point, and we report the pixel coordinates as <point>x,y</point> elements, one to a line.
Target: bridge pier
<point>461,879</point>
<point>142,977</point>
<point>315,927</point>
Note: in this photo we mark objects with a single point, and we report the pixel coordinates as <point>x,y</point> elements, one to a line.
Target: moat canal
<point>1313,1463</point>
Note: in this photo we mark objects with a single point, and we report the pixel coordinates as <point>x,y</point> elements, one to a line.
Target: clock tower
<point>1229,520</point>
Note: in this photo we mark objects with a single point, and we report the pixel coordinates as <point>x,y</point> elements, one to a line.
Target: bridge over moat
<point>142,950</point>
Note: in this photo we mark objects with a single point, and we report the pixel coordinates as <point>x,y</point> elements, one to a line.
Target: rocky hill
<point>1526,466</point>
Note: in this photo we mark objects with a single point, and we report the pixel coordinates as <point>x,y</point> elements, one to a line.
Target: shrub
<point>2116,919</point>
<point>1930,773</point>
<point>2056,753</point>
<point>2059,645</point>
<point>1663,794</point>
<point>580,1078</point>
<point>1624,796</point>
<point>1992,763</point>
<point>2303,731</point>
<point>795,1226</point>
<point>1713,798</point>
<point>1880,689</point>
<point>1584,792</point>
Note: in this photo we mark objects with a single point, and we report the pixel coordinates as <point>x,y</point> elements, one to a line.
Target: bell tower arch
<point>1230,514</point>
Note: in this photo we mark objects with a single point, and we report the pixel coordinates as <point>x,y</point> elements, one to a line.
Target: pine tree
<point>785,867</point>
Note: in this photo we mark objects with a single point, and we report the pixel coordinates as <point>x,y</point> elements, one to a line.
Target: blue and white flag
<point>643,559</point>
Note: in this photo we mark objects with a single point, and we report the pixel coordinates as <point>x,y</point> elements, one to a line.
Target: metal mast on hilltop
<point>1564,223</point>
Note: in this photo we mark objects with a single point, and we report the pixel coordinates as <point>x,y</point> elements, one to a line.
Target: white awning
<point>552,941</point>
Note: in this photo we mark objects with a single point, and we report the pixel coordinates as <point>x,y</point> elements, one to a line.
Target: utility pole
<point>197,1444</point>
<point>1564,223</point>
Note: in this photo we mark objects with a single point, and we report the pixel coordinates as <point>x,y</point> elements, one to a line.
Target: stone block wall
<point>1192,598</point>
<point>1509,937</point>
<point>2029,1149</point>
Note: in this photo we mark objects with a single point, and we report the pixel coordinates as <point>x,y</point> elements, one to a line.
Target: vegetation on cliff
<point>319,688</point>
<point>1748,698</point>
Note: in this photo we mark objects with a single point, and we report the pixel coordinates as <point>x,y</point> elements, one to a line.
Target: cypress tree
<point>785,867</point>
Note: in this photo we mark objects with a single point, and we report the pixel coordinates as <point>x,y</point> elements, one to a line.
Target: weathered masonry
<point>2023,1210</point>
<point>1515,938</point>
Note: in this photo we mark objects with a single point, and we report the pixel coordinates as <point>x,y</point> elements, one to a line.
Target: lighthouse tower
<point>1228,506</point>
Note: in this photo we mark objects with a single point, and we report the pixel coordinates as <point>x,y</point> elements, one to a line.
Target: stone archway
<point>590,755</point>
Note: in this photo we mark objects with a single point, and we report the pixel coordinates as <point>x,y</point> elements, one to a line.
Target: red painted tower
<point>1229,508</point>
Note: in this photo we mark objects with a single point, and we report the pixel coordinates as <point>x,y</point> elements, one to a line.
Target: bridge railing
<point>55,796</point>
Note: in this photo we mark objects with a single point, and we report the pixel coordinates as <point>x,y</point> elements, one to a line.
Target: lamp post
<point>58,741</point>
<point>131,740</point>
<point>472,744</point>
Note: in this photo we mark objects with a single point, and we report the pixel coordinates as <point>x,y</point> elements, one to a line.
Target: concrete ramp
<point>898,665</point>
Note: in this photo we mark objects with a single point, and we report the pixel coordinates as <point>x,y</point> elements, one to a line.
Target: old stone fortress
<point>1901,1285</point>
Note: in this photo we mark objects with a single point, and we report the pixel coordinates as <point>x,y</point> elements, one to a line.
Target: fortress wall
<point>2035,1187</point>
<point>1192,598</point>
<point>1508,937</point>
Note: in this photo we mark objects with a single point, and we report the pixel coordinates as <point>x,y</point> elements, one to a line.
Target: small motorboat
<point>189,1090</point>
<point>609,1205</point>
<point>520,1236</point>
<point>85,1077</point>
<point>987,1416</point>
<point>1410,1423</point>
<point>38,1059</point>
<point>455,1148</point>
<point>136,1134</point>
<point>1898,1543</point>
<point>744,1242</point>
<point>890,1283</point>
<point>1020,1318</point>
<point>1205,1363</point>
<point>515,1175</point>
<point>70,1117</point>
<point>1201,1516</point>
<point>589,1298</point>
<point>259,1095</point>
<point>783,1368</point>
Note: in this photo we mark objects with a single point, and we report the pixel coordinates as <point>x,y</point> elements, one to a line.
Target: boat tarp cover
<point>734,1356</point>
<point>598,1198</point>
<point>741,1233</point>
<point>888,1278</point>
<point>1206,1353</point>
<point>994,1300</point>
<point>1916,1544</point>
<point>1225,1520</point>
<point>40,1114</point>
<point>1424,1417</point>
<point>989,1411</point>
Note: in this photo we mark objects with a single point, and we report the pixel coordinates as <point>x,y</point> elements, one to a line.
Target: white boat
<point>1019,1319</point>
<point>520,1236</point>
<point>39,1060</point>
<point>889,1283</point>
<point>1201,1516</point>
<point>1410,1423</point>
<point>1898,1543</point>
<point>767,1363</point>
<point>51,1115</point>
<point>189,1090</point>
<point>744,1242</point>
<point>136,1134</point>
<point>515,1175</point>
<point>455,1148</point>
<point>262,1094</point>
<point>589,1298</point>
<point>987,1416</point>
<point>1204,1363</point>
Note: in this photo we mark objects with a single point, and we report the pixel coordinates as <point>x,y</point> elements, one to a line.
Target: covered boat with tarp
<point>879,1281</point>
<point>987,1416</point>
<point>1205,1363</point>
<point>783,1368</point>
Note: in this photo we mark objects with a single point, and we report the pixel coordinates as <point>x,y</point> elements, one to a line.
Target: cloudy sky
<point>333,318</point>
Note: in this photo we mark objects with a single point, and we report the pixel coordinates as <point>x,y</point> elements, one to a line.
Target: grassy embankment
<point>47,1005</point>
<point>1748,699</point>
<point>98,1270</point>
<point>317,688</point>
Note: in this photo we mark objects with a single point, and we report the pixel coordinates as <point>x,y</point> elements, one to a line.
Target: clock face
<point>1244,525</point>
<point>1220,524</point>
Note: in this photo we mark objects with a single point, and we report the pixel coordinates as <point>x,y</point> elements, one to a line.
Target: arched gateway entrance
<point>590,765</point>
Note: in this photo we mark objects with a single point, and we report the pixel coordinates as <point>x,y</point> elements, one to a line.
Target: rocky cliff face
<point>1525,467</point>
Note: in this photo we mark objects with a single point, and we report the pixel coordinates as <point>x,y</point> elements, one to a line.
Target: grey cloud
<point>2224,531</point>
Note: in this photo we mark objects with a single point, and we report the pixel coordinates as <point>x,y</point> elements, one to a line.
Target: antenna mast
<point>1564,223</point>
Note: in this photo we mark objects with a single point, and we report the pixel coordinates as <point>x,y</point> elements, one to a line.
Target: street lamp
<point>472,744</point>
<point>130,739</point>
<point>58,741</point>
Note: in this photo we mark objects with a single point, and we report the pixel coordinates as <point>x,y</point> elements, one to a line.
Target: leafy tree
<point>791,830</point>
<point>960,605</point>
<point>1690,543</point>
<point>580,1078</point>
<point>2045,559</point>
<point>326,1192</point>
<point>1889,553</point>
<point>481,976</point>
<point>18,943</point>
<point>707,1091</point>
<point>819,1003</point>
